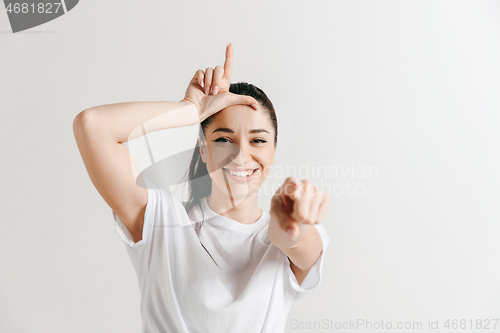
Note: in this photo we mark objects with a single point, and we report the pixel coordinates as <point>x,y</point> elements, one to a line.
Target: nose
<point>242,155</point>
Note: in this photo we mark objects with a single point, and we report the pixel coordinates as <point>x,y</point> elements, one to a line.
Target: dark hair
<point>197,169</point>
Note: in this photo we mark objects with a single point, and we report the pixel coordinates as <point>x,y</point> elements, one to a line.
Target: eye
<point>259,141</point>
<point>221,140</point>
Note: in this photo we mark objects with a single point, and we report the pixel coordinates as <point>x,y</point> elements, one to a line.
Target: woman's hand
<point>209,89</point>
<point>296,205</point>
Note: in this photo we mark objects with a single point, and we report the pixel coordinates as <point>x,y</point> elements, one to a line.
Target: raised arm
<point>100,132</point>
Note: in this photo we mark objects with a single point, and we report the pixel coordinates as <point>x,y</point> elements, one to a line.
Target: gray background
<point>410,87</point>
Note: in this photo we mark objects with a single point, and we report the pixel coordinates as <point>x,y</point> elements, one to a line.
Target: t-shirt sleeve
<point>314,276</point>
<point>150,215</point>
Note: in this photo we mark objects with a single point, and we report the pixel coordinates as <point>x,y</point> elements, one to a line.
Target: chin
<point>240,193</point>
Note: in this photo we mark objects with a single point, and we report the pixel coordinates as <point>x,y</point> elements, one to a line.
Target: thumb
<point>293,229</point>
<point>235,99</point>
<point>279,210</point>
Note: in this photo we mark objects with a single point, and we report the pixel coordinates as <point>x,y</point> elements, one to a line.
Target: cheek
<point>268,155</point>
<point>266,160</point>
<point>223,154</point>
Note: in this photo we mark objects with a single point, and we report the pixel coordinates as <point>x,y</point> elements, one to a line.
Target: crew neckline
<point>228,223</point>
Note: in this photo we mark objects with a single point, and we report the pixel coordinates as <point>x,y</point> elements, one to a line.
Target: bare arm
<point>124,121</point>
<point>99,132</point>
<point>302,255</point>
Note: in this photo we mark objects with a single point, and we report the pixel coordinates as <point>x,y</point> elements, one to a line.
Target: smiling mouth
<point>240,174</point>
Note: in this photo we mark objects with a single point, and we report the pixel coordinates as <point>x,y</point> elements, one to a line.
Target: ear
<point>201,150</point>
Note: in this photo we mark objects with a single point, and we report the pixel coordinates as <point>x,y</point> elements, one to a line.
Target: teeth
<point>239,174</point>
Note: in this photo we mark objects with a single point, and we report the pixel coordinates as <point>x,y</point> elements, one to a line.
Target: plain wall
<point>406,89</point>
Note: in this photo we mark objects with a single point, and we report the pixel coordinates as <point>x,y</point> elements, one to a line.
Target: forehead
<point>241,118</point>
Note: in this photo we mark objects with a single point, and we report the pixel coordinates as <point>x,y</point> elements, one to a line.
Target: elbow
<point>82,122</point>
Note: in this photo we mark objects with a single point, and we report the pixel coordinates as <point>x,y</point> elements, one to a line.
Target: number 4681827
<point>41,8</point>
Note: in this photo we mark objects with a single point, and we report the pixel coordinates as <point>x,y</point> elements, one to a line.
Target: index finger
<point>228,64</point>
<point>288,191</point>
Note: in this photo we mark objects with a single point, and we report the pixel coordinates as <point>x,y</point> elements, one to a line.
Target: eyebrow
<point>228,130</point>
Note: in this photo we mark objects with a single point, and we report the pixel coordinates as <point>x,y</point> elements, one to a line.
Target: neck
<point>244,210</point>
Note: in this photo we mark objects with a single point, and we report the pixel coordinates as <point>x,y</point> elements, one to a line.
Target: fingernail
<point>291,232</point>
<point>202,83</point>
<point>207,89</point>
<point>215,90</point>
<point>255,106</point>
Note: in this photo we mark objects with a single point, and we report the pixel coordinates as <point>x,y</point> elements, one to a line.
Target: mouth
<point>240,176</point>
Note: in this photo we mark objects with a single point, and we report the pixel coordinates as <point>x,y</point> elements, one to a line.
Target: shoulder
<point>165,207</point>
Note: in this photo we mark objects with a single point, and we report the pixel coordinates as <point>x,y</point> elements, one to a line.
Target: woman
<point>216,263</point>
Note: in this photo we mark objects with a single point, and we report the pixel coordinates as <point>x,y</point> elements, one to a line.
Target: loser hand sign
<point>209,90</point>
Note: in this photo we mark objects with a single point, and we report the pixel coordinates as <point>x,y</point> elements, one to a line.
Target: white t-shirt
<point>240,283</point>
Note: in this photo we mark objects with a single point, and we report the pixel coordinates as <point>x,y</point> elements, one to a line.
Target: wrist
<point>281,239</point>
<point>190,111</point>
